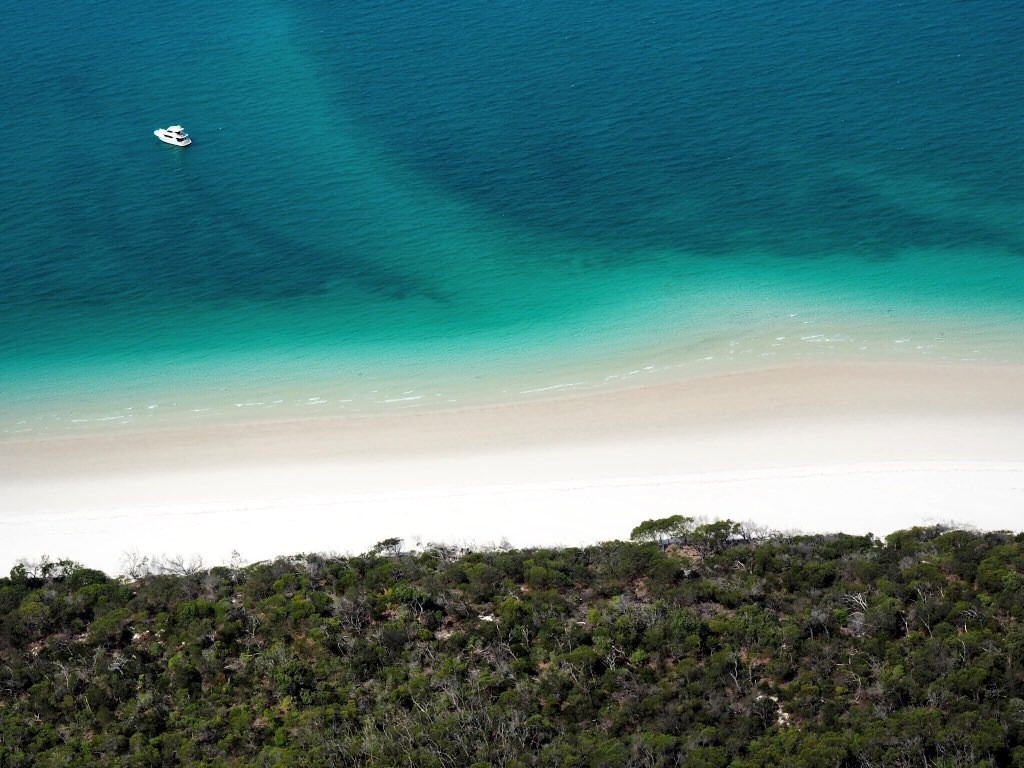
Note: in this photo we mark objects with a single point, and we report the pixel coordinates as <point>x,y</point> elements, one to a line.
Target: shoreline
<point>825,447</point>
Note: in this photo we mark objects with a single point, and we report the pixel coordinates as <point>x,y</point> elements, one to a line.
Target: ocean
<point>424,205</point>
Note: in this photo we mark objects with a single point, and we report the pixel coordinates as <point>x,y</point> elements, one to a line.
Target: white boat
<point>174,135</point>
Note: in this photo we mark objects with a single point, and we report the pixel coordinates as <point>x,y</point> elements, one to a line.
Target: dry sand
<point>832,447</point>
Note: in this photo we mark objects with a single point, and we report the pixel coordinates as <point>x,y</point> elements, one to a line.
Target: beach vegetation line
<point>696,644</point>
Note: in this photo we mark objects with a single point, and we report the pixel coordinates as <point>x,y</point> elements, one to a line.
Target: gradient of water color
<point>395,206</point>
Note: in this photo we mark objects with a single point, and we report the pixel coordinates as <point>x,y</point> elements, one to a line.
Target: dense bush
<point>708,647</point>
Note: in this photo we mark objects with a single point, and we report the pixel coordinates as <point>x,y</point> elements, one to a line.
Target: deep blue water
<point>388,201</point>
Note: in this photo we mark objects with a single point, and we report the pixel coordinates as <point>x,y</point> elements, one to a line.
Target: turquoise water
<point>395,205</point>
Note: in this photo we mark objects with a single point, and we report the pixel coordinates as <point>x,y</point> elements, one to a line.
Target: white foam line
<point>555,386</point>
<point>403,399</point>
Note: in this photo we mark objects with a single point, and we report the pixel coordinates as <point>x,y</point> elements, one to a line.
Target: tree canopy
<point>663,530</point>
<point>830,650</point>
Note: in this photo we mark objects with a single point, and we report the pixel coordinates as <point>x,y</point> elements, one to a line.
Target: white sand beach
<point>833,447</point>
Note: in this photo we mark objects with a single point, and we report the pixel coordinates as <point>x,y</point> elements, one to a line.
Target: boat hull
<point>171,140</point>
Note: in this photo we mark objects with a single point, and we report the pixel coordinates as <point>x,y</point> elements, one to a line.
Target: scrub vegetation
<point>700,646</point>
